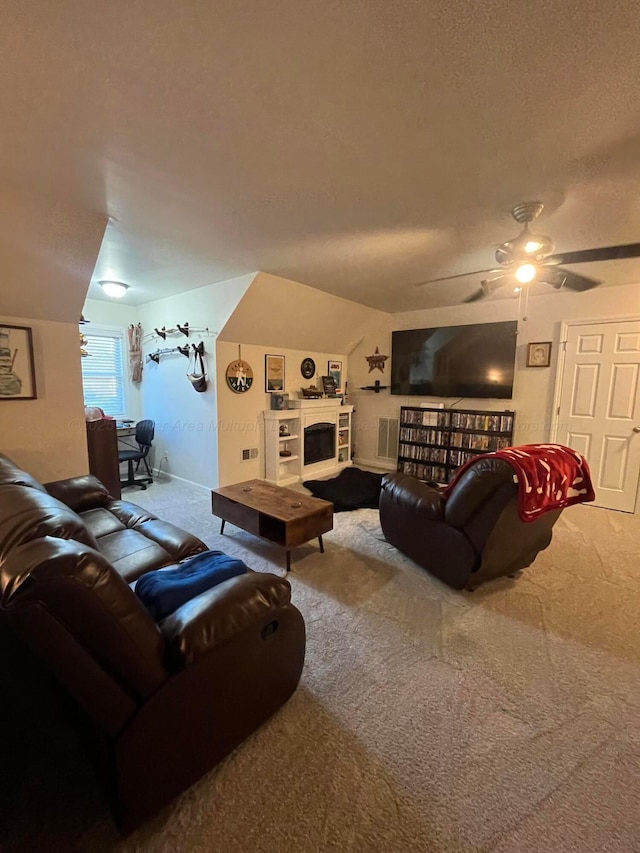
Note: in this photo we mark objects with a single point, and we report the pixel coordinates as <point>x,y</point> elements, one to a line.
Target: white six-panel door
<point>599,412</point>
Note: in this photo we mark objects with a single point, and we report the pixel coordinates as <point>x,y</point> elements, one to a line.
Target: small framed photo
<point>279,402</point>
<point>274,373</point>
<point>539,354</point>
<point>17,370</point>
<point>328,386</point>
<point>334,369</point>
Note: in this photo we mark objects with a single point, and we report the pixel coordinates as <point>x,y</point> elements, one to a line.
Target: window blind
<point>103,372</point>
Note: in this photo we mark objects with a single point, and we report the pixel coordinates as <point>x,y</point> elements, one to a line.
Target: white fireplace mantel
<point>305,413</point>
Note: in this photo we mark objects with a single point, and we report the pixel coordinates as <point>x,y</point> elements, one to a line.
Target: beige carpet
<point>427,720</point>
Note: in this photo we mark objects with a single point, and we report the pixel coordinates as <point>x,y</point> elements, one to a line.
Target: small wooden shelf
<point>287,458</point>
<point>287,437</point>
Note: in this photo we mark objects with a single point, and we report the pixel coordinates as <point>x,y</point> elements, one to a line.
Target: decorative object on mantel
<point>539,354</point>
<point>135,352</point>
<point>376,387</point>
<point>376,361</point>
<point>17,372</point>
<point>279,402</point>
<point>273,373</point>
<point>311,393</point>
<point>239,374</point>
<point>329,386</point>
<point>307,368</point>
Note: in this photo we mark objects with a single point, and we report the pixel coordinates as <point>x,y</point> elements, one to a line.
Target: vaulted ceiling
<point>353,146</point>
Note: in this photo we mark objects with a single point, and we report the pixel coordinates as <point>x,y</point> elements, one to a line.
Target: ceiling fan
<point>529,257</point>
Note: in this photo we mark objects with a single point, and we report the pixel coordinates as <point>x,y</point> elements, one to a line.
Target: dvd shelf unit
<point>433,443</point>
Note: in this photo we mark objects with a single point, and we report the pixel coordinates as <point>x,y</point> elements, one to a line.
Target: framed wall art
<point>17,370</point>
<point>539,354</point>
<point>274,373</point>
<point>334,369</point>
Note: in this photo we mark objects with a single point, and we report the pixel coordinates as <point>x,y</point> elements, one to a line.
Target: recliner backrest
<point>82,618</point>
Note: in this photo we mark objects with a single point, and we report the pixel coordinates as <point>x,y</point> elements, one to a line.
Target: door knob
<point>636,429</point>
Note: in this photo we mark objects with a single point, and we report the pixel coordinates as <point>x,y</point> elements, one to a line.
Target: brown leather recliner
<point>172,698</point>
<point>472,535</point>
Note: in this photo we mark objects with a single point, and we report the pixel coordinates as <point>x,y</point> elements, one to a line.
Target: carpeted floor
<point>426,720</point>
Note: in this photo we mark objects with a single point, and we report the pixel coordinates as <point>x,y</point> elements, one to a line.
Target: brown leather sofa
<point>472,535</point>
<point>170,700</point>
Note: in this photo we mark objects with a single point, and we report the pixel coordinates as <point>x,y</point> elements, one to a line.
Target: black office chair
<point>145,430</point>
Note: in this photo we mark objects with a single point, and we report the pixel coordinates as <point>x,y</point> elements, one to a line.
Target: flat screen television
<point>455,361</point>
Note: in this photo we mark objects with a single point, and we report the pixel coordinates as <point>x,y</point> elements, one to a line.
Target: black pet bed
<point>351,489</point>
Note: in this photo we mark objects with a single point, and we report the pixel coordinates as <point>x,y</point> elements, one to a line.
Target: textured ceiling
<point>356,147</point>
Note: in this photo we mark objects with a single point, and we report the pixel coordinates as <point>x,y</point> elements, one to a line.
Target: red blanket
<point>549,476</point>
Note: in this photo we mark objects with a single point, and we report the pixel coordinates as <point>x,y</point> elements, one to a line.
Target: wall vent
<point>388,429</point>
<point>249,453</point>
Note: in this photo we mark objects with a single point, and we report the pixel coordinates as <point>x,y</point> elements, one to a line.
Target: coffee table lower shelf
<point>273,513</point>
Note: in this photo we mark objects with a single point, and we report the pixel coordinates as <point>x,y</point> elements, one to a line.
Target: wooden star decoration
<point>376,361</point>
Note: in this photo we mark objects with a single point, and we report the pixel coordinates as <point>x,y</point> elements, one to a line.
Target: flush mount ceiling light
<point>114,289</point>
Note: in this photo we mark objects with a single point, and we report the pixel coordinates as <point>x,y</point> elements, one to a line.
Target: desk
<point>102,446</point>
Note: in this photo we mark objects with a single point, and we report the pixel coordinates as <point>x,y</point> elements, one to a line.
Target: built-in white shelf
<point>286,470</point>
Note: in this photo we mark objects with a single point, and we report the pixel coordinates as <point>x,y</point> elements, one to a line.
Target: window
<point>103,370</point>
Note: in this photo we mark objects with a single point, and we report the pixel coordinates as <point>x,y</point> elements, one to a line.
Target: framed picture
<point>334,369</point>
<point>274,373</point>
<point>279,402</point>
<point>539,354</point>
<point>328,386</point>
<point>17,373</point>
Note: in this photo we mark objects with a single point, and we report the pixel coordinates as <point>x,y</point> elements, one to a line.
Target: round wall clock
<point>308,368</point>
<point>239,376</point>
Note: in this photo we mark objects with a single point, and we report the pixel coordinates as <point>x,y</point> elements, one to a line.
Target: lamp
<point>114,289</point>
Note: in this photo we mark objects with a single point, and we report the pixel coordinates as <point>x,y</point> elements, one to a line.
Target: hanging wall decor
<point>239,375</point>
<point>308,368</point>
<point>376,361</point>
<point>274,373</point>
<point>17,373</point>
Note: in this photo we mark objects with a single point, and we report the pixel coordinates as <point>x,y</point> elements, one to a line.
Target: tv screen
<point>455,361</point>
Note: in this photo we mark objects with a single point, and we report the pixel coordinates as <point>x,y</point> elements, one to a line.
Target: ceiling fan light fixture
<point>526,273</point>
<point>114,289</point>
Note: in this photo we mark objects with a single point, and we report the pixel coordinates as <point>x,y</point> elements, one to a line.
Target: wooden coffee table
<point>282,516</point>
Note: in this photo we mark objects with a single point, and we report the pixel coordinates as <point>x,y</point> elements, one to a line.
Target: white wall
<point>533,388</point>
<point>115,315</point>
<point>240,416</point>
<point>47,436</point>
<point>186,422</point>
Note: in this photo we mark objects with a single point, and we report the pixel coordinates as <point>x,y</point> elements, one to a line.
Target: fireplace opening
<point>319,442</point>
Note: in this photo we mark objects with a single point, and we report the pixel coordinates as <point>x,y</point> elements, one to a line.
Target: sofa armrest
<point>407,494</point>
<point>220,613</point>
<point>80,493</point>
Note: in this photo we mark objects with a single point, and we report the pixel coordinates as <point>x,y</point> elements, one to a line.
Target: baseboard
<point>159,473</point>
<point>376,463</point>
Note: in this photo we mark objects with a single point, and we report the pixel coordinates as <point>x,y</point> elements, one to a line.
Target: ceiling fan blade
<point>486,288</point>
<point>476,295</point>
<point>604,253</point>
<point>451,277</point>
<point>567,280</point>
